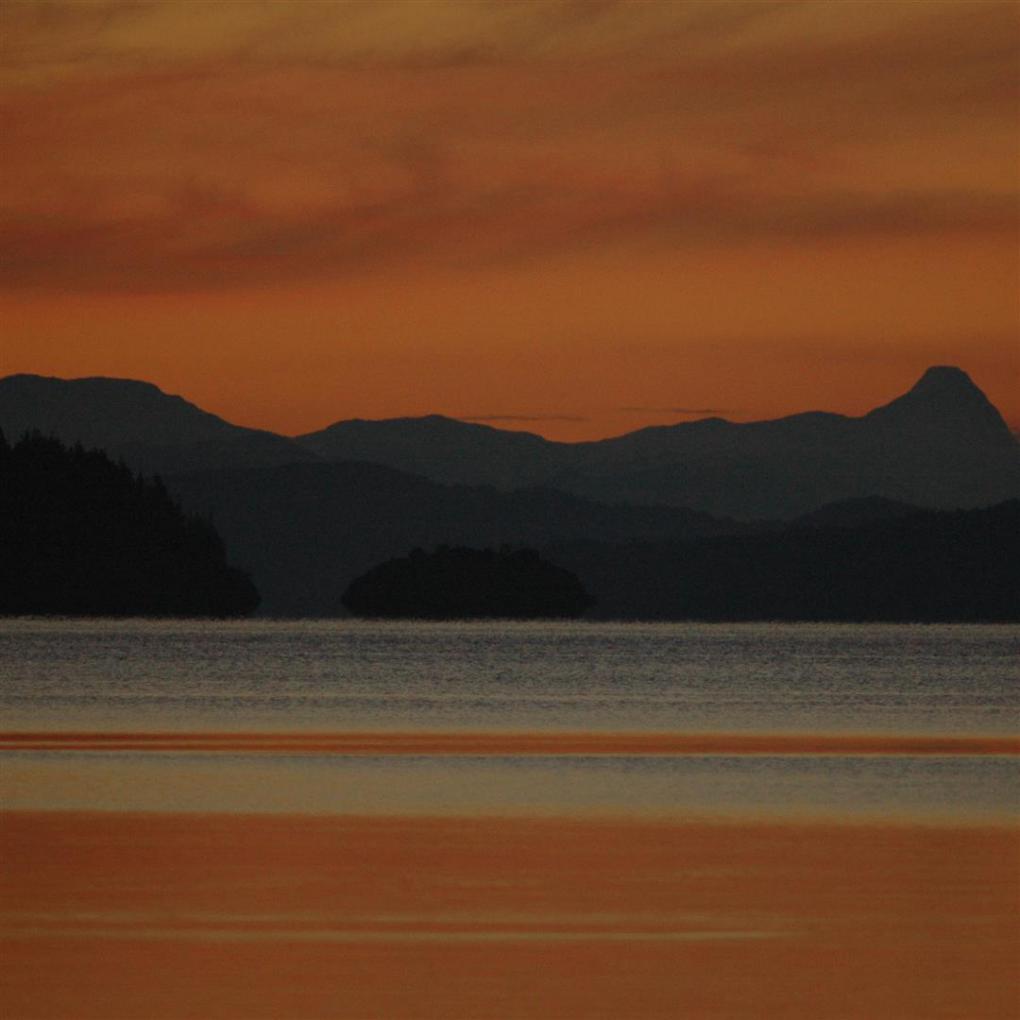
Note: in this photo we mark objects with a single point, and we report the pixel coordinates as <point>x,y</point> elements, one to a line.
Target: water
<point>295,679</point>
<point>351,820</point>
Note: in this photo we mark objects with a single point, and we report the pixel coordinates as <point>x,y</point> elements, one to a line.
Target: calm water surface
<point>300,677</point>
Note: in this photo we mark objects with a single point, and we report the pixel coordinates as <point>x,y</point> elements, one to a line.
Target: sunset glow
<point>572,218</point>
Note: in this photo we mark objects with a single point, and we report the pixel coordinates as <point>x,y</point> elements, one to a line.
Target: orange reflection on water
<point>113,915</point>
<point>499,743</point>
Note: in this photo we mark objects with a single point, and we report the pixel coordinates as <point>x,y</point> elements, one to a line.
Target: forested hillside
<point>81,535</point>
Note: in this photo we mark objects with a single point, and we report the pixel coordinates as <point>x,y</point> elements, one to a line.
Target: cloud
<point>684,411</point>
<point>205,236</point>
<point>73,37</point>
<point>520,417</point>
<point>168,146</point>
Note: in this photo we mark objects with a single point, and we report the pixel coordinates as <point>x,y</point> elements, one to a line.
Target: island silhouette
<point>462,583</point>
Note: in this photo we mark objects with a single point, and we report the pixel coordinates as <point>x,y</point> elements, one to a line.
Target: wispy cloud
<point>164,146</point>
<point>520,417</point>
<point>683,411</point>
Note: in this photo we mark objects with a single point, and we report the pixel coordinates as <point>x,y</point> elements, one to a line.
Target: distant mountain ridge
<point>151,430</point>
<point>926,565</point>
<point>942,444</point>
<point>305,531</point>
<point>444,449</point>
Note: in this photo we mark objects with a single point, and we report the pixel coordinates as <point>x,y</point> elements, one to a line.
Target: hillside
<point>941,444</point>
<point>925,566</point>
<point>153,431</point>
<point>82,536</point>
<point>306,530</point>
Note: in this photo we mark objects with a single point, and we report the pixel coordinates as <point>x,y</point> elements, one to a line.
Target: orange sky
<point>573,217</point>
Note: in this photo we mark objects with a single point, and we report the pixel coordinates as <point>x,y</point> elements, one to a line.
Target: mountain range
<point>942,444</point>
<point>306,515</point>
<point>136,422</point>
<point>928,565</point>
<point>305,531</point>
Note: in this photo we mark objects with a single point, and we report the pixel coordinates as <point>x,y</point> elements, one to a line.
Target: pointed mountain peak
<point>945,398</point>
<point>945,380</point>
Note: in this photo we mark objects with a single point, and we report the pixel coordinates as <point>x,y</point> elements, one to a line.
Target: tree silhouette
<point>81,535</point>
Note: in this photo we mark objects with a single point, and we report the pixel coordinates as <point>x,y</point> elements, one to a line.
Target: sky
<point>573,217</point>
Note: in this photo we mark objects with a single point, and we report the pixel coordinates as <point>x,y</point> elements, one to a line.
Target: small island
<point>83,536</point>
<point>461,583</point>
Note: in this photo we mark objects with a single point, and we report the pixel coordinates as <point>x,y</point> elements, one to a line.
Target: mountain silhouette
<point>850,513</point>
<point>137,422</point>
<point>444,449</point>
<point>945,399</point>
<point>305,531</point>
<point>920,566</point>
<point>942,444</point>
